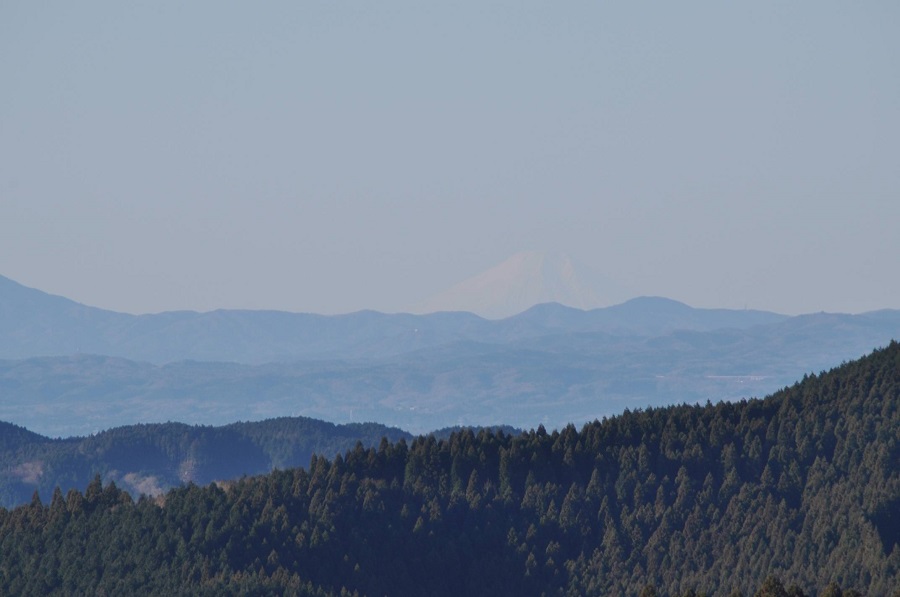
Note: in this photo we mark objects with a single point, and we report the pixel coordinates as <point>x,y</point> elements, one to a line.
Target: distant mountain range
<point>33,323</point>
<point>72,369</point>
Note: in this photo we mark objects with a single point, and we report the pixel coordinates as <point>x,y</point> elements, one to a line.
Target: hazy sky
<point>329,156</point>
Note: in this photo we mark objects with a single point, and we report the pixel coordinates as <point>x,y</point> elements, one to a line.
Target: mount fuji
<point>524,280</point>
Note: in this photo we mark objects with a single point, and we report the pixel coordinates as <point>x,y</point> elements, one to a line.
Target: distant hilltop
<point>524,280</point>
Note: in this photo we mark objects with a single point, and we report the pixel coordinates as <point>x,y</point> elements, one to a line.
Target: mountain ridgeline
<point>75,370</point>
<point>795,494</point>
<point>37,324</point>
<point>526,279</point>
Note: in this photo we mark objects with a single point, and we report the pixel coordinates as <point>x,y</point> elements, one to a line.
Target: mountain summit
<point>526,279</point>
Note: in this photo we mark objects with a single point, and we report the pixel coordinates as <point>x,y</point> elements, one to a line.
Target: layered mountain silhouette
<point>34,323</point>
<point>793,495</point>
<point>524,280</point>
<point>72,369</point>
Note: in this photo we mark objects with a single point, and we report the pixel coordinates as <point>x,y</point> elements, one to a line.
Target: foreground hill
<point>149,459</point>
<point>803,486</point>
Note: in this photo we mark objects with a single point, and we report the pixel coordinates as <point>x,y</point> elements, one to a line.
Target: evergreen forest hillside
<point>794,494</point>
<point>150,459</point>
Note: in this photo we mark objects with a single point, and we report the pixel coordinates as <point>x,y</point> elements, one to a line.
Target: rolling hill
<point>796,494</point>
<point>150,459</point>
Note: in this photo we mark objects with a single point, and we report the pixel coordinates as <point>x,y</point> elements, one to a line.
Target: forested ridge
<point>152,458</point>
<point>794,494</point>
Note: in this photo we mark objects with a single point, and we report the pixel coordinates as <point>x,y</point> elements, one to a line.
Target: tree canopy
<point>794,494</point>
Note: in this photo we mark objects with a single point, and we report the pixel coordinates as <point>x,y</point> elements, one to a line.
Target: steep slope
<point>802,486</point>
<point>35,323</point>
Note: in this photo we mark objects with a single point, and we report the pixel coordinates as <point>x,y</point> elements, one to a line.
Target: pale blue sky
<point>329,156</point>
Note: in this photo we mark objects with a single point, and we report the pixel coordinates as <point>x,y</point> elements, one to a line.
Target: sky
<point>329,156</point>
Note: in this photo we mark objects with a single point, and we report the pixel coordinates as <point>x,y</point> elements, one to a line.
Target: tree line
<point>795,494</point>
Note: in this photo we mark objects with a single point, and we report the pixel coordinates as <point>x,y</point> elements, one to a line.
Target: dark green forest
<point>152,458</point>
<point>795,494</point>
